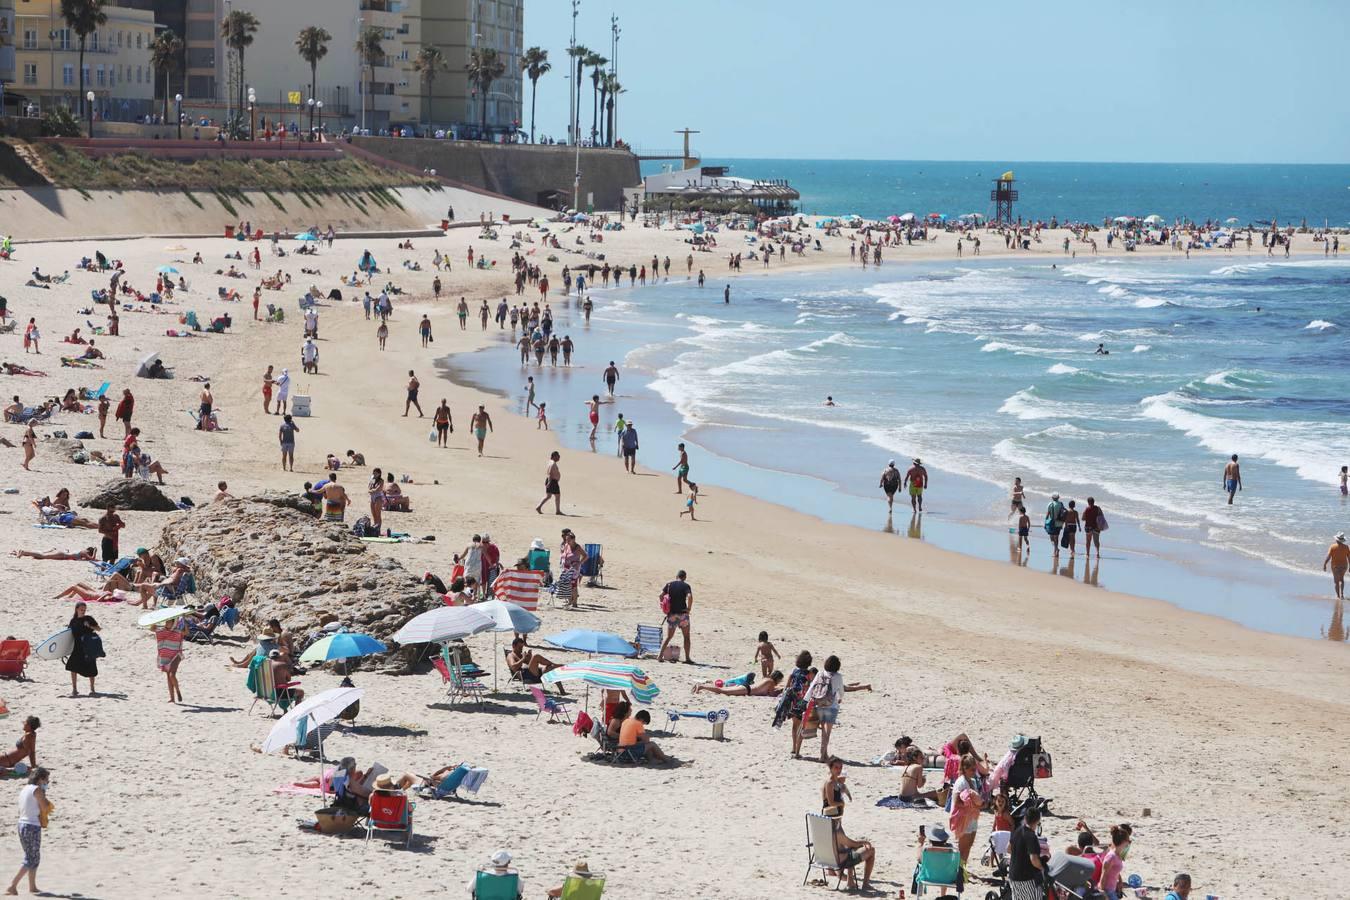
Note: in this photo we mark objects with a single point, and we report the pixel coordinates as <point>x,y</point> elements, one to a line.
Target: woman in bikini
<point>25,747</point>
<point>376,488</point>
<point>833,791</point>
<point>769,687</point>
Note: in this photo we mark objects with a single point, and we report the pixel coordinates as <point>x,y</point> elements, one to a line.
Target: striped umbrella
<point>613,674</point>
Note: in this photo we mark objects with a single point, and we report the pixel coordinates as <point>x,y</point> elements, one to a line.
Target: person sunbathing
<point>76,338</point>
<point>64,518</point>
<point>912,780</point>
<point>26,746</point>
<point>15,369</point>
<point>92,352</point>
<point>170,586</point>
<point>530,666</point>
<point>71,402</point>
<point>90,594</point>
<point>85,555</point>
<point>743,687</point>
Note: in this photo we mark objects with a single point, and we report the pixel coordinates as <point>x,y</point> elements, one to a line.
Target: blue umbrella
<point>342,645</point>
<point>306,236</point>
<point>587,641</point>
<point>167,270</point>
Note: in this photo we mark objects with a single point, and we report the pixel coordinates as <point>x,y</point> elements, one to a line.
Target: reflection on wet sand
<point>1336,630</point>
<point>916,526</point>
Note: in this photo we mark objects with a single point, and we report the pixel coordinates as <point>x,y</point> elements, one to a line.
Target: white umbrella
<point>159,616</point>
<point>508,617</point>
<point>314,711</point>
<point>447,623</point>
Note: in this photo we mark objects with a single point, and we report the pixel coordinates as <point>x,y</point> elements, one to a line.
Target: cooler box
<point>300,405</point>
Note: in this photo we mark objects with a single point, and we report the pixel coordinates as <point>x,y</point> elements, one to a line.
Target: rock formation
<point>130,493</point>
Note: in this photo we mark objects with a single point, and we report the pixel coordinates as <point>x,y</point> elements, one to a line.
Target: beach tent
<point>143,370</point>
<point>306,236</point>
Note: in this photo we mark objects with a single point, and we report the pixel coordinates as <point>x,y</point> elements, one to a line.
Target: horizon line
<point>1013,162</point>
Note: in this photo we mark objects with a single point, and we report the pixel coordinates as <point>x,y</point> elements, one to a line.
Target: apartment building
<point>116,59</point>
<point>6,47</point>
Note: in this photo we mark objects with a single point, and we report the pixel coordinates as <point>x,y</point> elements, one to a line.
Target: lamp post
<point>318,108</point>
<point>178,106</point>
<point>51,63</point>
<point>252,126</point>
<point>310,103</point>
<point>576,112</point>
<point>89,105</point>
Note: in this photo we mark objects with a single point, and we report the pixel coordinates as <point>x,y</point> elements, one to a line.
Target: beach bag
<point>1045,767</point>
<point>1101,521</point>
<point>581,725</point>
<point>93,646</point>
<point>665,603</point>
<point>431,435</point>
<point>1064,540</point>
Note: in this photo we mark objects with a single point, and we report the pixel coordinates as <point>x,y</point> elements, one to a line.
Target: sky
<point>1238,81</point>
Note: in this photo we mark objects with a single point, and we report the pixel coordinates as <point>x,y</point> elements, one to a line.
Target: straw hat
<point>270,632</point>
<point>580,868</point>
<point>385,782</point>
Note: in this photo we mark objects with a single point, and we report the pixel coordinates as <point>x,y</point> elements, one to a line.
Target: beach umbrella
<point>167,270</point>
<point>907,217</point>
<point>1154,219</point>
<point>1231,220</point>
<point>306,236</point>
<point>320,709</point>
<point>342,645</point>
<point>611,674</point>
<point>446,623</point>
<point>508,617</point>
<point>586,641</point>
<point>892,219</point>
<point>160,616</point>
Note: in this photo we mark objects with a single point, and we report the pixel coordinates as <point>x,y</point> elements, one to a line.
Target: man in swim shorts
<point>334,500</point>
<point>413,387</point>
<point>481,424</point>
<point>1338,558</point>
<point>890,483</point>
<point>916,479</point>
<point>681,470</point>
<point>593,407</point>
<point>552,485</point>
<point>680,602</point>
<point>611,377</point>
<point>1232,478</point>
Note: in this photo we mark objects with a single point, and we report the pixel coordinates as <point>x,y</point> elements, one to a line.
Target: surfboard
<point>58,646</point>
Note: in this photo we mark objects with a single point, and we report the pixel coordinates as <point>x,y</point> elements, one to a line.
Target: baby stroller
<point>1031,763</point>
<point>1071,877</point>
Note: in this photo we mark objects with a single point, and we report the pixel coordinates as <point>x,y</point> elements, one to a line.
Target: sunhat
<point>1340,538</point>
<point>1054,496</point>
<point>501,859</point>
<point>581,869</point>
<point>1018,742</point>
<point>939,834</point>
<point>537,544</point>
<point>385,783</point>
<point>182,561</point>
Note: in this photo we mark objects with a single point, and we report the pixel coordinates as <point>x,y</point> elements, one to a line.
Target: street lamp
<point>89,104</point>
<point>252,126</point>
<point>318,108</point>
<point>178,106</point>
<point>310,103</point>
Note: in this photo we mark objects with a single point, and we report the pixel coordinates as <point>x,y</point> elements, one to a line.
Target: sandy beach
<point>1224,735</point>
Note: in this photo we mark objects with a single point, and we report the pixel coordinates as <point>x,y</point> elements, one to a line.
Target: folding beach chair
<point>593,569</point>
<point>821,852</point>
<point>576,887</point>
<point>264,688</point>
<point>491,886</point>
<point>648,640</point>
<point>554,706</point>
<point>390,811</point>
<point>14,658</point>
<point>939,867</point>
<point>460,685</point>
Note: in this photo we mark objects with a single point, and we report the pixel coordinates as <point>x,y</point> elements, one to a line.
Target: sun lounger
<point>14,658</point>
<point>648,640</point>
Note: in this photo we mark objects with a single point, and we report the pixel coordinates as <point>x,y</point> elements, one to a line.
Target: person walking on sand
<point>611,377</point>
<point>444,423</point>
<point>382,333</point>
<point>424,329</point>
<point>1338,558</point>
<point>1093,520</point>
<point>413,387</point>
<point>283,392</point>
<point>205,400</point>
<point>462,311</point>
<point>593,413</point>
<point>125,407</point>
<point>29,442</point>
<point>629,442</point>
<point>681,470</point>
<point>375,491</point>
<point>1018,496</point>
<point>103,406</point>
<point>1054,521</point>
<point>480,424</point>
<point>552,485</point>
<point>825,694</point>
<point>916,479</point>
<point>87,648</point>
<point>677,602</point>
<point>286,435</point>
<point>267,383</point>
<point>1232,478</point>
<point>529,395</point>
<point>890,483</point>
<point>34,807</point>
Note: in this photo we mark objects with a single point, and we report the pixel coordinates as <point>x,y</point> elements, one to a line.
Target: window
<point>138,40</point>
<point>63,39</point>
<point>30,39</point>
<point>30,73</point>
<point>112,76</point>
<point>139,75</point>
<point>102,77</point>
<point>201,58</point>
<point>201,30</point>
<point>67,74</point>
<point>120,36</point>
<point>201,86</point>
<point>86,73</point>
<point>93,41</point>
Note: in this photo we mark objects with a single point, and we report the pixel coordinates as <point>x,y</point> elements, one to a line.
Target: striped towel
<point>169,646</point>
<point>519,587</point>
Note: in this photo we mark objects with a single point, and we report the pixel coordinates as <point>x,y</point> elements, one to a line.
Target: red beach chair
<point>14,658</point>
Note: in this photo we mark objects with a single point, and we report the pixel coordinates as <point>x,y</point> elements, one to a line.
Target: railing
<point>660,153</point>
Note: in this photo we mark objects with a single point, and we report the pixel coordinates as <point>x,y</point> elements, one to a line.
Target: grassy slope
<point>29,165</point>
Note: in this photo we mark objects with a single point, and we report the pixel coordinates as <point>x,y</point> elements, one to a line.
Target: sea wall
<point>522,171</point>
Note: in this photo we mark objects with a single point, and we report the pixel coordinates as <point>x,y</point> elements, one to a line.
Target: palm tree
<point>484,67</point>
<point>598,63</point>
<point>613,89</point>
<point>429,60</point>
<point>83,17</point>
<point>579,53</point>
<point>238,28</point>
<point>369,51</point>
<point>165,52</point>
<point>534,64</point>
<point>312,45</point>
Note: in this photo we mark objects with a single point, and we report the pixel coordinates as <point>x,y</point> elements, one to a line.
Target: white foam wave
<point>1114,290</point>
<point>995,346</point>
<point>1032,328</point>
<point>1141,348</point>
<point>1152,302</point>
<point>1320,325</point>
<point>1061,369</point>
<point>1091,336</point>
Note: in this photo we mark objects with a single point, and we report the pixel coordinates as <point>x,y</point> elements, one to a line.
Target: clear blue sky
<point>1238,81</point>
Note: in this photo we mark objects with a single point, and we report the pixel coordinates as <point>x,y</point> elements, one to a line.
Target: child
<point>765,653</point>
<point>1023,530</point>
<point>1345,476</point>
<point>1003,820</point>
<point>543,418</point>
<point>529,394</point>
<point>689,503</point>
<point>898,756</point>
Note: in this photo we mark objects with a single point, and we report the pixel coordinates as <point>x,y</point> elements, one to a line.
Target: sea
<point>988,370</point>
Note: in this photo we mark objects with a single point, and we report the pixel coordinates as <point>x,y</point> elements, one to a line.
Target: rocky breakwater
<point>276,560</point>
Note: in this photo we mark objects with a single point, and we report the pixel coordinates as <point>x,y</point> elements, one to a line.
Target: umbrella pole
<point>322,789</point>
<point>496,661</point>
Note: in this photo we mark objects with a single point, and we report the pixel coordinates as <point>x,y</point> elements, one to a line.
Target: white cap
<point>501,859</point>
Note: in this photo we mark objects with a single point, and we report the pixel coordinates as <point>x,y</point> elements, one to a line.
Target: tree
<point>597,64</point>
<point>312,45</point>
<point>428,61</point>
<point>83,17</point>
<point>534,64</point>
<point>613,89</point>
<point>579,54</point>
<point>165,52</point>
<point>484,67</point>
<point>369,51</point>
<point>238,29</point>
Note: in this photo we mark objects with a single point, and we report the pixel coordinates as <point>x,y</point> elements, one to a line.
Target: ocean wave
<point>1061,369</point>
<point>1152,302</point>
<point>1091,337</point>
<point>1320,325</point>
<point>1141,348</point>
<point>1115,290</point>
<point>995,346</point>
<point>1032,328</point>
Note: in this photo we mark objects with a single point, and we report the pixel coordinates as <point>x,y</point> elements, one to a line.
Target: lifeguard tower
<point>1003,196</point>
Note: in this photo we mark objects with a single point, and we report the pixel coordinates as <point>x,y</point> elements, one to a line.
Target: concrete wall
<point>521,171</point>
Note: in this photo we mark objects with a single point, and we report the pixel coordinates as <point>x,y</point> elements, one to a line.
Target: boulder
<point>66,448</point>
<point>277,561</point>
<point>130,493</point>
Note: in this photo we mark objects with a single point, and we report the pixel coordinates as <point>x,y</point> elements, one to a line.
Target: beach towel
<point>519,587</point>
<point>169,647</point>
<point>299,790</point>
<point>895,802</point>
